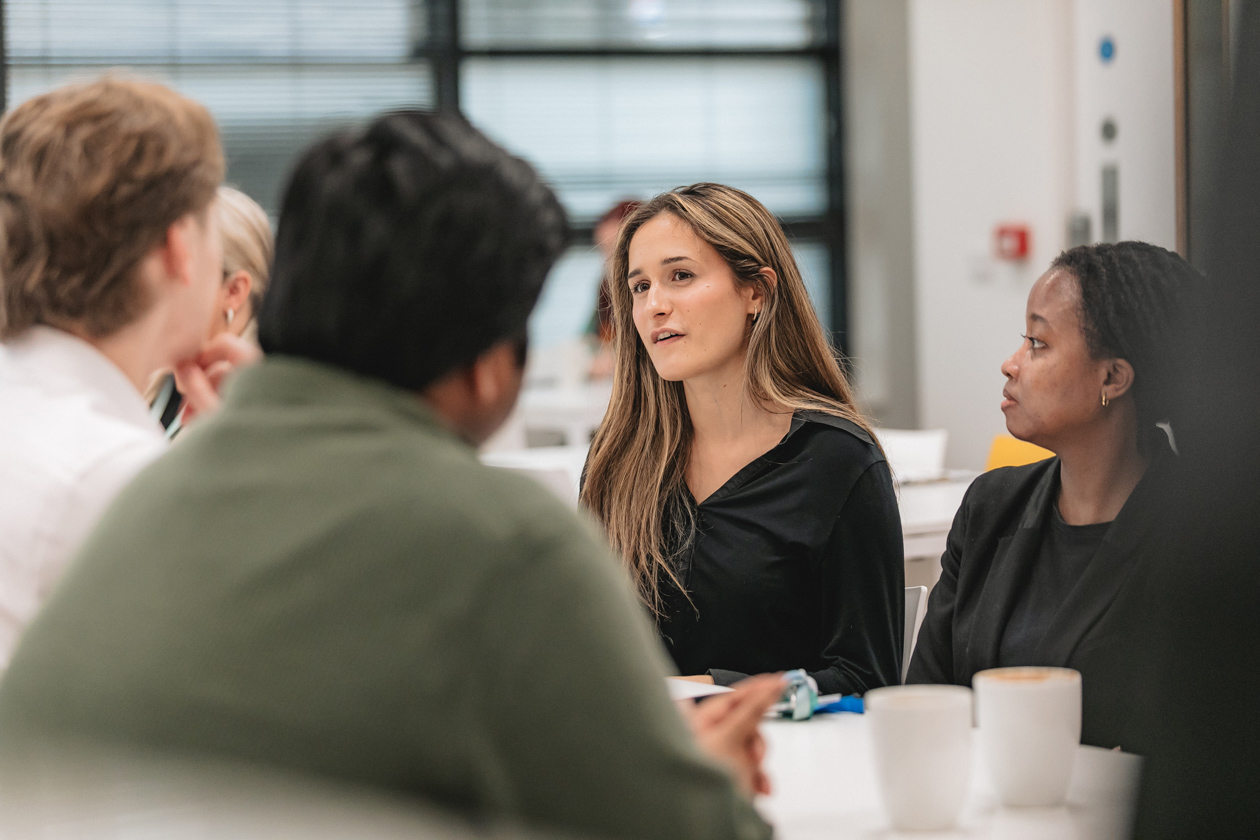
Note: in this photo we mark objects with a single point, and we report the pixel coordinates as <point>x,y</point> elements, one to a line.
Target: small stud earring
<point>229,315</point>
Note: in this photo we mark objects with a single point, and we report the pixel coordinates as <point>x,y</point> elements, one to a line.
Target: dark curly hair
<point>1131,296</point>
<point>407,248</point>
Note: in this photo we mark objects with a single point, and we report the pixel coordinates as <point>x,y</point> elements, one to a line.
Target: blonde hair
<point>247,241</point>
<point>91,177</point>
<point>635,482</point>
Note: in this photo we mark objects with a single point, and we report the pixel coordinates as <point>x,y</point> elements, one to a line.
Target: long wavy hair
<point>635,480</point>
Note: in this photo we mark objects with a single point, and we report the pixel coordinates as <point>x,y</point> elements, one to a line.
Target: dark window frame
<point>445,51</point>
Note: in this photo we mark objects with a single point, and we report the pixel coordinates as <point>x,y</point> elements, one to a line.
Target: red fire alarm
<point>1012,242</point>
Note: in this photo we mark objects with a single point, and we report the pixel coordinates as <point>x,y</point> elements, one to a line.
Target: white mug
<point>1030,727</point>
<point>921,736</point>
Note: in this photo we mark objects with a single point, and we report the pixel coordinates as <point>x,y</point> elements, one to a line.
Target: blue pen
<point>851,703</point>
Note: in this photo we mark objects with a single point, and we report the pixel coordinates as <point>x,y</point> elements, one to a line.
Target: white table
<point>824,783</point>
<point>575,413</point>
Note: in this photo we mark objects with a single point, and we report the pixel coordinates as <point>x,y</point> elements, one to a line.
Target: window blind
<point>711,24</point>
<point>276,74</point>
<point>602,129</point>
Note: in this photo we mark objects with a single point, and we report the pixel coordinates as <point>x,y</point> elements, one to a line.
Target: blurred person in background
<point>733,473</point>
<point>1202,772</point>
<point>247,249</point>
<point>324,578</point>
<point>1046,564</point>
<point>601,327</point>
<point>110,264</point>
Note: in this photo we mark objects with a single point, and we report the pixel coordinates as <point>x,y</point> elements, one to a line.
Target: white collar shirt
<point>73,432</point>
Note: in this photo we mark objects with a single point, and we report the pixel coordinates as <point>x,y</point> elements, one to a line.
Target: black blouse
<point>796,563</point>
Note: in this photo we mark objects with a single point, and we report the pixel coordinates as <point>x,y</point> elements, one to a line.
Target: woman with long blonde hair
<point>247,249</point>
<point>733,473</point>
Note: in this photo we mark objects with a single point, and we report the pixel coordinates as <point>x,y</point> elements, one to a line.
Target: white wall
<point>1007,100</point>
<point>990,129</point>
<point>1135,90</point>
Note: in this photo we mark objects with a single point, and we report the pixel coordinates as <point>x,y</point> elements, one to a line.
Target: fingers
<point>749,702</point>
<point>757,749</point>
<point>217,372</point>
<point>712,709</point>
<point>757,755</point>
<point>726,727</point>
<point>200,379</point>
<point>199,392</point>
<point>226,347</point>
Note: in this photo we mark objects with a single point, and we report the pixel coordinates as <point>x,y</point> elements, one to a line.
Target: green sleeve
<point>577,702</point>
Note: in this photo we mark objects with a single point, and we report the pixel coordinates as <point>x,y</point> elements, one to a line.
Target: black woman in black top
<point>1048,564</point>
<point>732,472</point>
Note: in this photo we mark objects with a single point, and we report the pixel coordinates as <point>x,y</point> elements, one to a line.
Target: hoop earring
<point>230,315</point>
<point>756,315</point>
<point>1105,400</point>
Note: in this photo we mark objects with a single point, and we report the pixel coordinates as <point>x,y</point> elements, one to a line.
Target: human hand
<point>698,678</point>
<point>726,728</point>
<point>200,378</point>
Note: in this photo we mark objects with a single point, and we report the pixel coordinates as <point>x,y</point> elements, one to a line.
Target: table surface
<point>824,783</point>
<point>930,506</point>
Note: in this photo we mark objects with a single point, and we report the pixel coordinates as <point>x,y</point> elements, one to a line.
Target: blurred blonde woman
<point>247,250</point>
<point>733,472</point>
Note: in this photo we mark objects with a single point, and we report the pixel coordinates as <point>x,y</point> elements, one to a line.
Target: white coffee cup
<point>921,736</point>
<point>1030,727</point>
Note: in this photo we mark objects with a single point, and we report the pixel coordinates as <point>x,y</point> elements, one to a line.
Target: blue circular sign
<point>1107,49</point>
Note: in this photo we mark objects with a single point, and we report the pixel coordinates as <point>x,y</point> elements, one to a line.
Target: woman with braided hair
<point>1045,563</point>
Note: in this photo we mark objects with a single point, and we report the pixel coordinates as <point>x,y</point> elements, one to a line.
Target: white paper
<point>686,689</point>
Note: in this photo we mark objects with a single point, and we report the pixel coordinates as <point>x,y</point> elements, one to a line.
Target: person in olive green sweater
<point>323,578</point>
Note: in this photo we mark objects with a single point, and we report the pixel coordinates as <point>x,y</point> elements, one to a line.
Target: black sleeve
<point>721,676</point>
<point>864,578</point>
<point>933,659</point>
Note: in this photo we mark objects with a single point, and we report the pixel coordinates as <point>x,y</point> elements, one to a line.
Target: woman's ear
<point>236,289</point>
<point>758,298</point>
<point>1120,377</point>
<point>175,251</point>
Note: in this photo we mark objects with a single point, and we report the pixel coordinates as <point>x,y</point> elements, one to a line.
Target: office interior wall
<point>990,105</point>
<point>1130,98</point>
<point>878,200</point>
<point>1008,102</point>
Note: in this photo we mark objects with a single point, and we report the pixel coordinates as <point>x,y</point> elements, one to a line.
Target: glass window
<point>604,129</point>
<point>556,24</point>
<point>813,259</point>
<point>567,303</point>
<point>276,74</point>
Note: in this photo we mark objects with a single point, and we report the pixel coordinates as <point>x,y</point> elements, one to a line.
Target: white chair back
<point>916,608</point>
<point>914,454</point>
<point>558,468</point>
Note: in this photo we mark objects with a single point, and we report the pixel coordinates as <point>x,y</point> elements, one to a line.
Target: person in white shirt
<point>110,265</point>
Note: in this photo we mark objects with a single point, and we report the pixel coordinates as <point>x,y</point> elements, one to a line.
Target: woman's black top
<point>1066,551</point>
<point>1013,591</point>
<point>796,563</point>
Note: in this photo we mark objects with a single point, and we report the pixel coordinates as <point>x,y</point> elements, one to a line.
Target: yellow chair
<point>1007,451</point>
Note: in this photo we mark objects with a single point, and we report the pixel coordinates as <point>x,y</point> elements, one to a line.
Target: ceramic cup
<point>1030,727</point>
<point>921,735</point>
